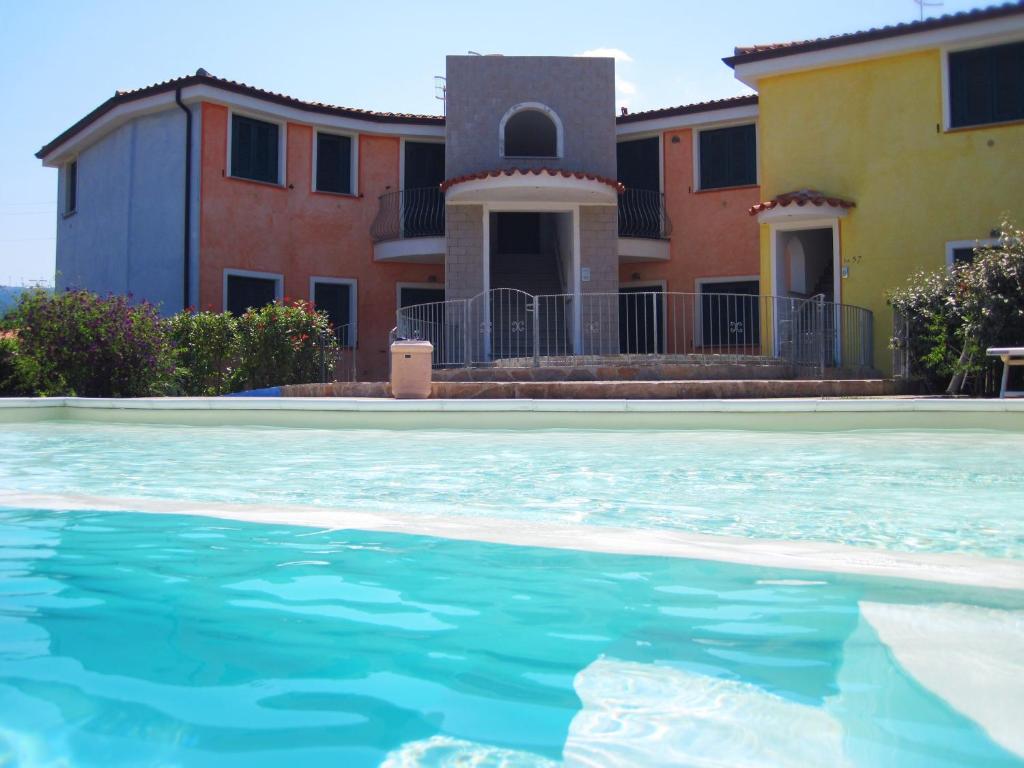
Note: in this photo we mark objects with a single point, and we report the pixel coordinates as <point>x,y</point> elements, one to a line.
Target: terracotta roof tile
<point>687,109</point>
<point>800,197</point>
<point>202,77</point>
<point>748,53</point>
<point>448,183</point>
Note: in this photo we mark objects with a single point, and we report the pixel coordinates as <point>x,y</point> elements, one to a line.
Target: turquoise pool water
<point>933,491</point>
<point>149,640</point>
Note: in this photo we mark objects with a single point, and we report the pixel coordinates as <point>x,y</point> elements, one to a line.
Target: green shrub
<point>206,352</point>
<point>285,344</point>
<point>78,343</point>
<point>11,383</point>
<point>954,315</point>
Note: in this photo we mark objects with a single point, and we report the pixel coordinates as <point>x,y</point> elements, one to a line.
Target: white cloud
<point>612,53</point>
<point>624,89</point>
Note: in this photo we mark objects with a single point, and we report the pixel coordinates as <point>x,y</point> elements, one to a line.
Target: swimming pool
<point>915,491</point>
<point>133,638</point>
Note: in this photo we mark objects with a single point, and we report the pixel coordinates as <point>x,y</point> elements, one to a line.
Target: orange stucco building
<point>207,193</point>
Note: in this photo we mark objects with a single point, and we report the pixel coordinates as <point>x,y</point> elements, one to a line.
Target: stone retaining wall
<point>603,390</point>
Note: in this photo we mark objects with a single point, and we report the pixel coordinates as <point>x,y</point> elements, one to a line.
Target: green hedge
<point>78,343</point>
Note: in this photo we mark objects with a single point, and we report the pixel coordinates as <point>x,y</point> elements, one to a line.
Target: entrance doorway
<point>805,271</point>
<point>805,263</point>
<point>641,320</point>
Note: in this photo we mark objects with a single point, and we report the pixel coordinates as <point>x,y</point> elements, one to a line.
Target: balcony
<point>409,226</point>
<point>644,226</point>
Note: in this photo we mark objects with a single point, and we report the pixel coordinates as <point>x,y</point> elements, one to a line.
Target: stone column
<point>464,279</point>
<point>599,251</point>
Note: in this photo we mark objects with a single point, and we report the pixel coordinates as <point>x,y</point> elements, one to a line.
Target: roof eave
<point>52,150</point>
<point>749,68</point>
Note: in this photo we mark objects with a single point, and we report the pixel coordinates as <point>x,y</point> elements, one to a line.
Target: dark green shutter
<point>249,292</point>
<point>728,157</point>
<point>336,300</point>
<point>333,163</point>
<point>986,85</point>
<point>254,149</point>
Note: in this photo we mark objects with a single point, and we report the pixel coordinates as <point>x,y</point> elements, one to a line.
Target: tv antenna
<point>922,4</point>
<point>441,91</point>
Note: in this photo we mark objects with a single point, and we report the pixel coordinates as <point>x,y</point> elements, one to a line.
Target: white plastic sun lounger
<point>1010,356</point>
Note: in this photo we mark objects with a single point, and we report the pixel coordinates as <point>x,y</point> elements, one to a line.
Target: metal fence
<point>642,214</point>
<point>338,361</point>
<point>508,327</point>
<point>900,346</point>
<point>409,213</point>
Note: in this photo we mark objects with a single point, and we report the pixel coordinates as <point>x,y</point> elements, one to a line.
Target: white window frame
<point>944,52</point>
<point>353,180</point>
<point>532,106</point>
<point>353,304</point>
<point>698,304</point>
<point>65,209</point>
<point>277,277</point>
<point>401,286</point>
<point>714,127</point>
<point>982,242</point>
<point>282,147</point>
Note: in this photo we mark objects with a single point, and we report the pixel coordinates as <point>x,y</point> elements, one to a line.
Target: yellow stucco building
<point>883,153</point>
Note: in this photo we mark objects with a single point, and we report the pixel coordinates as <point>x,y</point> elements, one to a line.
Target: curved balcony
<point>409,226</point>
<point>642,214</point>
<point>644,226</point>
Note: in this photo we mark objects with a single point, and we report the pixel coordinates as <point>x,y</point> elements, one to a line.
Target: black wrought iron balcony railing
<point>409,213</point>
<point>642,214</point>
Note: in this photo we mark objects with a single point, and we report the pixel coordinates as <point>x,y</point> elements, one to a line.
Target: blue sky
<point>59,60</point>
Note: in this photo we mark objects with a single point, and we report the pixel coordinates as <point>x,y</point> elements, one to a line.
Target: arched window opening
<point>531,133</point>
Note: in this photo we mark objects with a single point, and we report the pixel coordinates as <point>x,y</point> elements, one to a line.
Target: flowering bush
<point>78,343</point>
<point>206,352</point>
<point>284,343</point>
<point>954,315</point>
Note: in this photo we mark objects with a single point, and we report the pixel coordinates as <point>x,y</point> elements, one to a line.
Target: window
<point>639,163</point>
<point>963,251</point>
<point>986,85</point>
<point>245,291</point>
<point>410,295</point>
<point>427,322</point>
<point>333,163</point>
<point>255,146</point>
<point>728,157</point>
<point>337,299</point>
<point>729,314</point>
<point>530,133</point>
<point>71,187</point>
<point>963,255</point>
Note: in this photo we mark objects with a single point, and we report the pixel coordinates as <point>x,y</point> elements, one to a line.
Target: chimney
<point>624,111</point>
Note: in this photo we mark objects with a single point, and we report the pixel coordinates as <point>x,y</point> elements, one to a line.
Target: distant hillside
<point>9,296</point>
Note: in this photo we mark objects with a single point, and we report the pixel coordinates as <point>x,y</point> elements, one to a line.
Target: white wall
<point>126,234</point>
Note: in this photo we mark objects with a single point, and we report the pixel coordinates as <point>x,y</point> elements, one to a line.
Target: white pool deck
<point>812,414</point>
